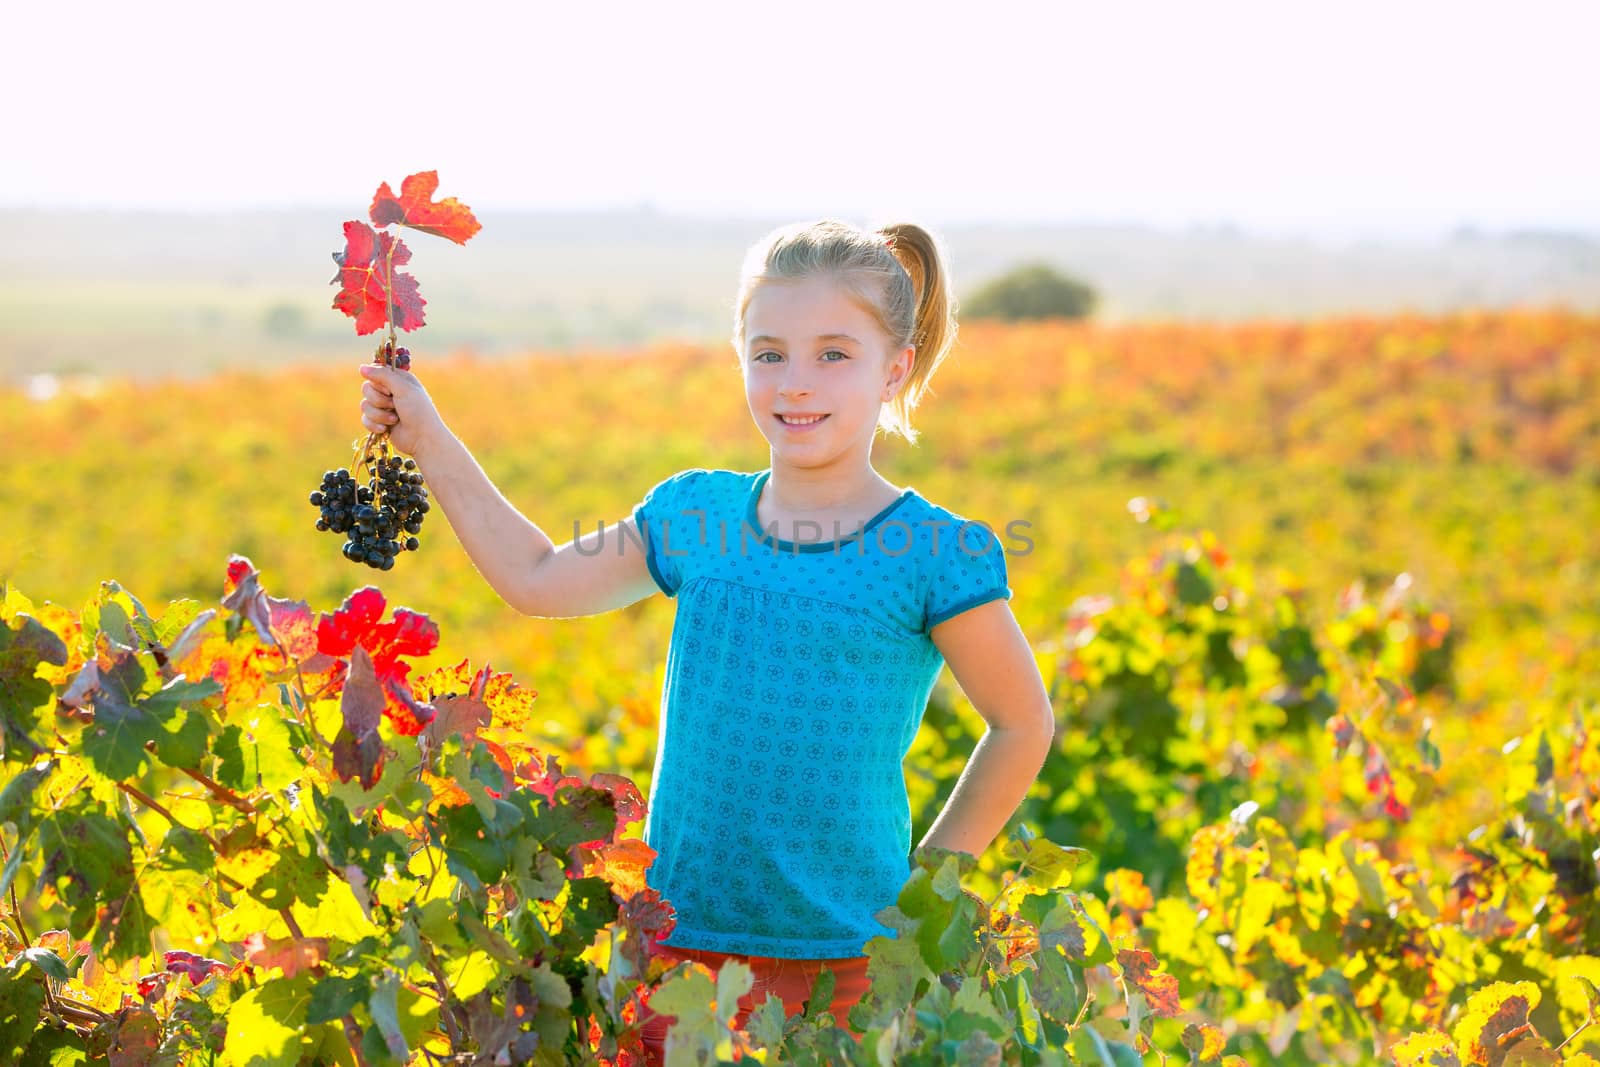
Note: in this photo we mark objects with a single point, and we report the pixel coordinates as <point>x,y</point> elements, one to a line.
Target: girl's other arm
<point>519,560</point>
<point>991,660</point>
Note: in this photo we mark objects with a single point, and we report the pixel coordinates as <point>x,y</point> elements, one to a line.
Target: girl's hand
<point>395,400</point>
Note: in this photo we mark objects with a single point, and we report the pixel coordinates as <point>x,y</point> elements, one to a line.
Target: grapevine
<point>393,499</point>
<point>249,833</point>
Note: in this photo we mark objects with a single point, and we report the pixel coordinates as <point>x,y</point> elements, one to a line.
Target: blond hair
<point>896,273</point>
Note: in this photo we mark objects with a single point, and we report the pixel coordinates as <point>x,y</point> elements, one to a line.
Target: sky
<point>1395,118</point>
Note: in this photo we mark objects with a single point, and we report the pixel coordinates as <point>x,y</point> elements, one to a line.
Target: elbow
<point>523,599</point>
<point>526,596</point>
<point>1045,727</point>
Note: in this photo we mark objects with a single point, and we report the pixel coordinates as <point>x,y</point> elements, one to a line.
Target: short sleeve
<point>664,531</point>
<point>969,568</point>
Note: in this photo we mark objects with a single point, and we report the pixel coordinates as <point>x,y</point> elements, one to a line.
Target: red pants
<point>789,980</point>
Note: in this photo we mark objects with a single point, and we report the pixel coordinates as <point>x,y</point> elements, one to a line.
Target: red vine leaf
<point>623,865</point>
<point>630,802</point>
<point>294,625</point>
<point>547,780</point>
<point>358,623</point>
<point>198,968</point>
<point>648,917</point>
<point>369,270</point>
<point>242,593</point>
<point>416,208</point>
<point>1141,970</point>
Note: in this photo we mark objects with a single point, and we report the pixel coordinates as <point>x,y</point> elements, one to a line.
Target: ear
<point>898,369</point>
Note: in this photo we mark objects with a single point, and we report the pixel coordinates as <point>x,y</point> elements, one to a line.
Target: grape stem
<point>383,356</point>
<point>1579,1030</point>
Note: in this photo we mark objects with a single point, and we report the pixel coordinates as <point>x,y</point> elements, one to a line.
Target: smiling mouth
<point>805,422</point>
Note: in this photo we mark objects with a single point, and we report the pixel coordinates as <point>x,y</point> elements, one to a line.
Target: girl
<point>800,664</point>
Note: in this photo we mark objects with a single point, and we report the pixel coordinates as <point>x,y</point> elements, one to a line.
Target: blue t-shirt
<point>796,679</point>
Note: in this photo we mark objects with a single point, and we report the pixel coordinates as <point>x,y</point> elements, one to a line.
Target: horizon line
<point>1364,229</point>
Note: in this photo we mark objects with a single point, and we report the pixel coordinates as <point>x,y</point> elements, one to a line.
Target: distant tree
<point>284,320</point>
<point>1031,291</point>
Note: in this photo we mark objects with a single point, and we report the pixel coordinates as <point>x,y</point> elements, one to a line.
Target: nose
<point>794,383</point>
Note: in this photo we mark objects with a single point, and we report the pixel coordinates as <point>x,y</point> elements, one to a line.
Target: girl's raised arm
<point>597,573</point>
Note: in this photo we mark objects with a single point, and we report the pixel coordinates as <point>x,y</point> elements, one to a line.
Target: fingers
<point>376,378</point>
<point>377,402</point>
<point>379,412</point>
<point>377,420</point>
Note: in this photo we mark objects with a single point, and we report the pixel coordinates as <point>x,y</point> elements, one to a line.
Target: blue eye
<point>830,352</point>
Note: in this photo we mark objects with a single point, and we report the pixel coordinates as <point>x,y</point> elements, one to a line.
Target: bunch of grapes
<point>393,501</point>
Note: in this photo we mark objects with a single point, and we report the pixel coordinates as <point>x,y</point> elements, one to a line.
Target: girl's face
<point>811,350</point>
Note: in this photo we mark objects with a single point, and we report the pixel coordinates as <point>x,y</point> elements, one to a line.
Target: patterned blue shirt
<point>796,679</point>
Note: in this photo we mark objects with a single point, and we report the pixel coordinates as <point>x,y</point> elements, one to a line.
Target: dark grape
<point>375,517</point>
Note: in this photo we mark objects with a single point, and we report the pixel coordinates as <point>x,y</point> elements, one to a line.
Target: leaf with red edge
<point>511,706</point>
<point>287,624</point>
<point>416,208</point>
<point>443,681</point>
<point>239,568</point>
<point>623,865</point>
<point>547,781</point>
<point>372,285</point>
<point>630,802</point>
<point>241,593</point>
<point>1495,1020</point>
<point>409,716</point>
<point>294,626</point>
<point>581,809</point>
<point>648,917</point>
